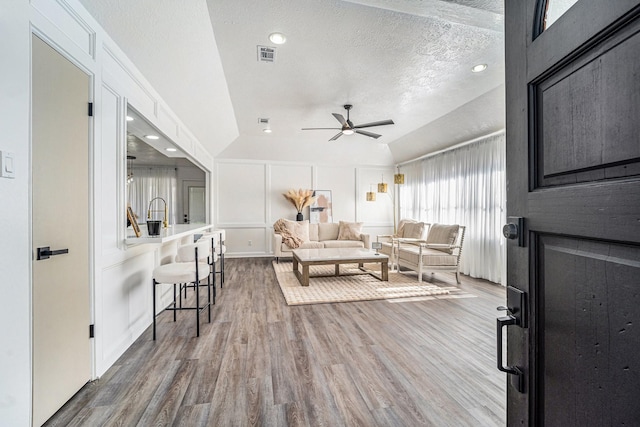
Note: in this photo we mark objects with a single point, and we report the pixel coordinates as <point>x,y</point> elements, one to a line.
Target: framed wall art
<point>131,217</point>
<point>321,210</point>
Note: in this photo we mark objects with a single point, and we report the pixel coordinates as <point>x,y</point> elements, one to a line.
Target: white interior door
<point>196,204</point>
<point>60,215</point>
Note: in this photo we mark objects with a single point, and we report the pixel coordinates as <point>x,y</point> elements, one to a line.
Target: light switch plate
<point>7,166</point>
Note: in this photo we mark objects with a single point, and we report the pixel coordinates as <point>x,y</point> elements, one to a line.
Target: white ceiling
<point>407,60</point>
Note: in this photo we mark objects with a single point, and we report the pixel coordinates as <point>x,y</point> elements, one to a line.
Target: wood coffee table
<point>337,256</point>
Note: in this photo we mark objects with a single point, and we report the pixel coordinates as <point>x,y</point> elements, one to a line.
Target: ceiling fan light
<point>266,130</point>
<point>348,131</point>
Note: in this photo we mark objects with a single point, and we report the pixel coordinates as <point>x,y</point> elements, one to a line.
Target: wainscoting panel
<point>248,191</point>
<point>109,213</point>
<point>126,308</point>
<point>341,181</point>
<point>247,241</point>
<point>380,211</point>
<point>241,195</point>
<point>283,178</point>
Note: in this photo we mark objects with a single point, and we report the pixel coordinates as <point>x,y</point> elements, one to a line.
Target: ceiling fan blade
<point>380,123</point>
<point>336,136</point>
<point>340,118</point>
<point>320,128</point>
<point>369,134</point>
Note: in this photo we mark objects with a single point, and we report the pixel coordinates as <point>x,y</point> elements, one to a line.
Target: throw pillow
<point>298,228</point>
<point>403,222</point>
<point>413,230</point>
<point>443,234</point>
<point>349,230</point>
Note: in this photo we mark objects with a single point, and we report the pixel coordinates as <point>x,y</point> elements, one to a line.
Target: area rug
<point>361,287</point>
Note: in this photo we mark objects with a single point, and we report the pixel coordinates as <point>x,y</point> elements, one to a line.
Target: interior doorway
<point>194,201</point>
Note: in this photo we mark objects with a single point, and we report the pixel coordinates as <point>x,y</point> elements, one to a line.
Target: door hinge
<point>91,109</point>
<point>91,331</point>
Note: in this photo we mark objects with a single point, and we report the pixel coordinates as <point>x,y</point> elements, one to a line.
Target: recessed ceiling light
<point>277,38</point>
<point>129,118</point>
<point>171,149</point>
<point>479,68</point>
<point>152,137</point>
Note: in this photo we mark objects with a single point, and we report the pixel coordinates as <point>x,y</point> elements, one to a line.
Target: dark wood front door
<point>573,173</point>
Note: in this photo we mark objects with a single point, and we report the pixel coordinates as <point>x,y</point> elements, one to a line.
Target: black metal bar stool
<point>189,270</point>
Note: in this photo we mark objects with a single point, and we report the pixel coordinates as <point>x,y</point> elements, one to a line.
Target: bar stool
<point>222,248</point>
<point>218,250</point>
<point>210,239</point>
<point>189,270</point>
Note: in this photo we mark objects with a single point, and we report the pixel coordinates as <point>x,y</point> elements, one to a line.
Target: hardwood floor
<point>260,362</point>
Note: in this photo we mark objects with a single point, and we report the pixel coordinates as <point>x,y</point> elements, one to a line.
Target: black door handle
<point>46,252</point>
<point>518,380</point>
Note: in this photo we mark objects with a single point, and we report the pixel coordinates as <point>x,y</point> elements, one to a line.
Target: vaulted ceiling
<point>407,60</point>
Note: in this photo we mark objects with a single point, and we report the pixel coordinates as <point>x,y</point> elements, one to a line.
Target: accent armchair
<point>407,229</point>
<point>440,251</point>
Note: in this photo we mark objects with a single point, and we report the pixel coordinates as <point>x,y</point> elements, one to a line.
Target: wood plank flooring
<point>263,363</point>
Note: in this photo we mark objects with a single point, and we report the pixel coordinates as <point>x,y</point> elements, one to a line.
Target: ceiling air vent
<point>266,54</point>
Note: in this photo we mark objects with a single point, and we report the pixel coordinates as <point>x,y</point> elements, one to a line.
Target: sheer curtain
<point>149,183</point>
<point>464,186</point>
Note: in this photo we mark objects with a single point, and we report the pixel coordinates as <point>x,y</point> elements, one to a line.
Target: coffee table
<point>337,256</point>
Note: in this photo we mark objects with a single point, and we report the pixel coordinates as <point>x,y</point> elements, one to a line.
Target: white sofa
<point>320,236</point>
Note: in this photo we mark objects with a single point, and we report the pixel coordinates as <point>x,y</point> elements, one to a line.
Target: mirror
<point>157,172</point>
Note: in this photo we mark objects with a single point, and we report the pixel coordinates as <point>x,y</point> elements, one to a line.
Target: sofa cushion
<point>313,232</point>
<point>298,228</point>
<point>328,231</point>
<point>413,230</point>
<point>429,256</point>
<point>349,230</point>
<point>443,235</point>
<point>305,245</point>
<point>343,244</point>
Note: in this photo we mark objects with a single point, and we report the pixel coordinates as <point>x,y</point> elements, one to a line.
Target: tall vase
<point>299,217</point>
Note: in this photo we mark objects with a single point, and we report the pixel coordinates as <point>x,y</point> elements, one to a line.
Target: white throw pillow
<point>349,230</point>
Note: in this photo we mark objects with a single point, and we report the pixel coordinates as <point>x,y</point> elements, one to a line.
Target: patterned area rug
<point>361,287</point>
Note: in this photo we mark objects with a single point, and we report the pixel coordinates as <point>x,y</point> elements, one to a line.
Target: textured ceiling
<point>408,60</point>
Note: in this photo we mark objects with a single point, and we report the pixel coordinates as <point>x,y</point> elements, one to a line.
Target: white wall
<point>15,243</point>
<point>120,281</point>
<point>248,198</point>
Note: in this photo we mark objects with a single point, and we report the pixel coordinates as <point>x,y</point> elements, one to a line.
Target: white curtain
<point>464,186</point>
<point>149,183</point>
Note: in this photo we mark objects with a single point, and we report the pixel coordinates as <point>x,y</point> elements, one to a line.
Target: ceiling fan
<point>348,127</point>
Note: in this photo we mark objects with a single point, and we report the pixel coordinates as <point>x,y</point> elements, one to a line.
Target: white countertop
<point>175,231</point>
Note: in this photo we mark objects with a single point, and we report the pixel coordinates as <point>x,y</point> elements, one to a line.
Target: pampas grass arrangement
<point>300,198</point>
